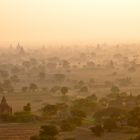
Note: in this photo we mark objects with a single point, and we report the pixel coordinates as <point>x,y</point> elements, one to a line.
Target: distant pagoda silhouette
<point>20,49</point>
<point>5,109</point>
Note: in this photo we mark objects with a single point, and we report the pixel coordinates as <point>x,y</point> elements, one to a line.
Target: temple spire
<point>3,101</point>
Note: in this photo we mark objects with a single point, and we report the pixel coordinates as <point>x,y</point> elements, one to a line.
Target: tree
<point>15,79</point>
<point>115,89</point>
<point>7,86</point>
<point>132,69</point>
<point>49,110</point>
<point>47,132</point>
<point>54,89</point>
<point>125,81</point>
<point>27,108</point>
<point>59,77</point>
<point>134,117</point>
<point>65,64</point>
<point>84,89</point>
<point>78,113</point>
<point>91,82</point>
<point>33,87</point>
<point>76,120</point>
<point>79,84</point>
<point>85,105</point>
<point>92,97</point>
<point>33,61</point>
<point>26,64</point>
<point>110,112</point>
<point>24,89</point>
<point>64,90</point>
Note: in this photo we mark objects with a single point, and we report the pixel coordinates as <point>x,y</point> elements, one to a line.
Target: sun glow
<point>73,21</point>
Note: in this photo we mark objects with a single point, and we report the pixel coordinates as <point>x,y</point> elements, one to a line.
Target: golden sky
<point>70,21</point>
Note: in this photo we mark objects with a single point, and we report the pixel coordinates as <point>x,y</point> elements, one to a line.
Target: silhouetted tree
<point>64,90</point>
<point>7,86</point>
<point>115,89</point>
<point>27,108</point>
<point>24,89</point>
<point>33,87</point>
<point>15,79</point>
<point>47,132</point>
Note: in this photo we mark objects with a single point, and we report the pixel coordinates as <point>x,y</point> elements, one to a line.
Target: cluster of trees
<point>32,87</point>
<point>115,111</point>
<point>6,86</point>
<point>118,111</point>
<point>47,132</point>
<point>23,116</point>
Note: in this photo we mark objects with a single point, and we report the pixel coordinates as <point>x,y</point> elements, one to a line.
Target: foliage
<point>110,112</point>
<point>7,86</point>
<point>33,87</point>
<point>134,117</point>
<point>49,110</point>
<point>84,89</point>
<point>115,89</point>
<point>24,89</point>
<point>85,105</point>
<point>64,90</point>
<point>48,130</point>
<point>27,108</point>
<point>59,77</point>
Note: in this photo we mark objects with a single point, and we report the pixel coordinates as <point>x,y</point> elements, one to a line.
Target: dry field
<point>24,131</point>
<point>17,131</point>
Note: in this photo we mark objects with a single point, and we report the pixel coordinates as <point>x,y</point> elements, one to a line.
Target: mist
<point>69,70</point>
<point>70,22</point>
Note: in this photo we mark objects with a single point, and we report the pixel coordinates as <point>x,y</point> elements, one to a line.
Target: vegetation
<point>47,132</point>
<point>90,91</point>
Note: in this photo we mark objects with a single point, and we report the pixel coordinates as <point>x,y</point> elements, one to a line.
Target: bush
<point>47,132</point>
<point>23,117</point>
<point>49,110</point>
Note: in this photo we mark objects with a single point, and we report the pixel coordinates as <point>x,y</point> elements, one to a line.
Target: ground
<point>17,131</point>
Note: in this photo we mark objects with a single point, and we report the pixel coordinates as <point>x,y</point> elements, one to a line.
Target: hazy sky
<point>70,21</point>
